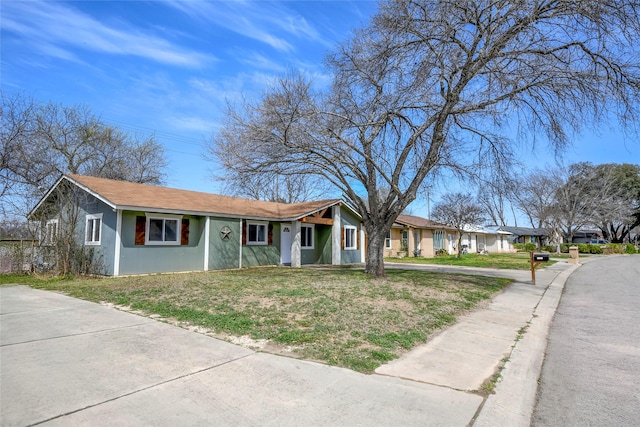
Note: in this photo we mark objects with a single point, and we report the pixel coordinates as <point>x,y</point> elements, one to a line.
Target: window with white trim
<point>163,229</point>
<point>387,240</point>
<point>350,236</point>
<point>306,236</point>
<point>50,232</point>
<point>404,240</point>
<point>93,229</point>
<point>257,233</point>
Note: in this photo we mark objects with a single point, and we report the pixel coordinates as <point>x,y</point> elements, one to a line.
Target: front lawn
<point>337,316</point>
<point>517,261</point>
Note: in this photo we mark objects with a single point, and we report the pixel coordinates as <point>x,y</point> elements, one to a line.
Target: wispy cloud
<point>58,31</point>
<point>267,22</point>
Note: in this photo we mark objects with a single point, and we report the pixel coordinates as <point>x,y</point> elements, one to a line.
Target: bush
<point>629,249</point>
<point>584,248</point>
<point>518,246</point>
<point>595,249</point>
<point>529,246</point>
<point>549,248</point>
<point>564,248</point>
<point>442,252</point>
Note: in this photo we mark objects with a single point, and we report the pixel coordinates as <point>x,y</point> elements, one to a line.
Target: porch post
<point>118,243</point>
<point>411,241</point>
<point>296,255</point>
<point>207,230</point>
<point>363,253</point>
<point>336,229</point>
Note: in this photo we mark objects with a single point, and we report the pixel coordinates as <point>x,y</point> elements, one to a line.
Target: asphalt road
<point>591,372</point>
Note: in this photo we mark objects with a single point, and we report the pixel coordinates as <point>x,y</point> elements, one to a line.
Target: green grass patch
<point>517,261</point>
<point>340,317</point>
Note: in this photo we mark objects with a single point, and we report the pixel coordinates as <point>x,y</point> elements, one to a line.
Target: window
<point>93,230</point>
<point>306,238</point>
<point>163,230</point>
<point>256,233</point>
<point>387,240</point>
<point>50,232</point>
<point>350,236</point>
<point>439,240</point>
<point>404,240</point>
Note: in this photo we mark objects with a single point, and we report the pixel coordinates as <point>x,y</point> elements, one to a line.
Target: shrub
<point>584,248</point>
<point>518,246</point>
<point>629,249</point>
<point>442,252</point>
<point>529,246</point>
<point>549,248</point>
<point>595,249</point>
<point>564,248</point>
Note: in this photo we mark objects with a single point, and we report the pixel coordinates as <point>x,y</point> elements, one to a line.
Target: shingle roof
<point>525,231</point>
<point>133,196</point>
<point>419,222</point>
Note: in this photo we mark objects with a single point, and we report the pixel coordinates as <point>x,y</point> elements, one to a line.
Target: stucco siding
<point>140,259</point>
<point>321,252</point>
<point>257,255</point>
<point>426,245</point>
<point>102,255</point>
<point>224,248</point>
<point>350,256</point>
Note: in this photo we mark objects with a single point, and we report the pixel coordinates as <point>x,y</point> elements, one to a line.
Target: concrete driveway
<point>65,361</point>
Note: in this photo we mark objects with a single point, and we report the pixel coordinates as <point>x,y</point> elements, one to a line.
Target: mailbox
<point>541,257</point>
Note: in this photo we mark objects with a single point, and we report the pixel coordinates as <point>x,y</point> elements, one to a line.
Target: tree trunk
<point>375,253</point>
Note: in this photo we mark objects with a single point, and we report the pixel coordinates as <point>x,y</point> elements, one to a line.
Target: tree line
<point>41,141</point>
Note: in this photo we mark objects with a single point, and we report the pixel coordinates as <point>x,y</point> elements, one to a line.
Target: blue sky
<point>168,66</point>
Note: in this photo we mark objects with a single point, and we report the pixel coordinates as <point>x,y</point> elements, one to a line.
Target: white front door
<point>285,243</point>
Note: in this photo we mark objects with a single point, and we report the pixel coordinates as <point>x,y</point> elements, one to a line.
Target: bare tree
<point>617,212</point>
<point>458,210</point>
<point>42,141</point>
<point>566,199</point>
<point>534,196</point>
<point>429,84</point>
<point>273,186</point>
<point>495,194</point>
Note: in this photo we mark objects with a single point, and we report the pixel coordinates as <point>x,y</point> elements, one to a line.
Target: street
<point>591,372</point>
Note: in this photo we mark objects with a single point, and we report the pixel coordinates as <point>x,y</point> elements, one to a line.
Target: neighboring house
<point>416,236</point>
<point>586,236</point>
<point>137,228</point>
<point>478,239</point>
<point>538,236</point>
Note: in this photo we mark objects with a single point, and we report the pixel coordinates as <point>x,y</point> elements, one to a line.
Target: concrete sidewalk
<point>65,361</point>
<point>509,337</point>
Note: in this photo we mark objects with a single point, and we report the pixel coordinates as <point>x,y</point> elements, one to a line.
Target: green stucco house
<point>139,229</point>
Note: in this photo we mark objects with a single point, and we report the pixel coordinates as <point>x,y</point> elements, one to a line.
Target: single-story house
<point>416,236</point>
<point>539,236</point>
<point>477,238</point>
<point>586,236</point>
<point>137,228</point>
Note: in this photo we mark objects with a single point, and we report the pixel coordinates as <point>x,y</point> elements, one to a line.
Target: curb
<point>515,395</point>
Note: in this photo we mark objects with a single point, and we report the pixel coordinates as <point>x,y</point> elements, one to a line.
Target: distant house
<point>416,236</point>
<point>479,239</point>
<point>137,228</point>
<point>538,236</point>
<point>586,236</point>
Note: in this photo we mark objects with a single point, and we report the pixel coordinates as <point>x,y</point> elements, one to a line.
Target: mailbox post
<point>535,260</point>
